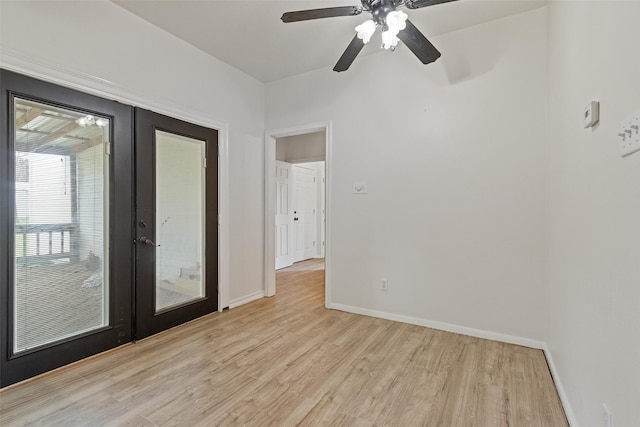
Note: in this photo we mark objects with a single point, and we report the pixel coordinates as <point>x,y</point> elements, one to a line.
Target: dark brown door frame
<point>14,368</point>
<point>126,322</point>
<point>147,322</point>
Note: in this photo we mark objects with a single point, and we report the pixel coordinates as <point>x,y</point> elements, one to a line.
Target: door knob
<point>146,241</point>
<point>295,219</point>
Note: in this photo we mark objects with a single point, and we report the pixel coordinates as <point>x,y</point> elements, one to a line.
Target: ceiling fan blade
<point>418,44</point>
<point>328,12</point>
<point>349,54</point>
<point>417,4</point>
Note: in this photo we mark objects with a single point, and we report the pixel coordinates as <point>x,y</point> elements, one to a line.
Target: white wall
<point>304,148</point>
<point>594,210</point>
<point>453,155</point>
<point>102,40</point>
<point>48,196</point>
<point>281,150</point>
<point>91,201</point>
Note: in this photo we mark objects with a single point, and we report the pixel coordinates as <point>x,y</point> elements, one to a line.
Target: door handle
<point>146,241</point>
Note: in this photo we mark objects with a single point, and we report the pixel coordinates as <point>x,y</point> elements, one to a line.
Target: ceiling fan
<point>394,23</point>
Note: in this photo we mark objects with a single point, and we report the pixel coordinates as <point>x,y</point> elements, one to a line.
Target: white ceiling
<point>249,35</point>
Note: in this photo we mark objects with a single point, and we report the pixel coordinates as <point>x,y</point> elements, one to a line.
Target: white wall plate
<point>629,136</point>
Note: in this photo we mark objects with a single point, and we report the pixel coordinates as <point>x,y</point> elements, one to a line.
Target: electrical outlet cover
<point>360,188</point>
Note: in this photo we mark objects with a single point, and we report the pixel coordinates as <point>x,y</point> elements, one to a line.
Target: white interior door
<point>309,213</point>
<point>304,213</point>
<point>284,216</point>
<point>298,225</point>
<point>320,210</point>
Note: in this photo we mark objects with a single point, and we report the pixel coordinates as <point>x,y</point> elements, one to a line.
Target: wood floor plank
<point>328,413</point>
<point>286,361</point>
<point>206,400</point>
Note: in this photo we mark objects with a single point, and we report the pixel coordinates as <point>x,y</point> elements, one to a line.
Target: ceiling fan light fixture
<point>397,21</point>
<point>395,27</point>
<point>87,120</point>
<point>366,30</point>
<point>389,40</point>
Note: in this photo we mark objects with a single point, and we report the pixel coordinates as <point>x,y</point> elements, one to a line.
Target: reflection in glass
<point>180,197</point>
<point>61,203</point>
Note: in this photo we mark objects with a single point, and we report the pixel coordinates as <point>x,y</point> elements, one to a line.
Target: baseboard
<point>247,299</point>
<point>478,333</point>
<point>568,411</point>
<point>463,330</point>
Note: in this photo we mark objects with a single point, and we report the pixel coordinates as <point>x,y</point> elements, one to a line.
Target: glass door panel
<point>177,227</point>
<point>66,215</point>
<point>61,285</point>
<point>180,219</point>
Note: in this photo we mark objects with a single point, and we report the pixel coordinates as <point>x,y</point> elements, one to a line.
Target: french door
<point>284,235</point>
<point>304,212</point>
<point>108,225</point>
<point>176,223</point>
<point>66,204</point>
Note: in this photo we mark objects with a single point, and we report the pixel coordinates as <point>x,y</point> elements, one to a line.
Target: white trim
<point>328,237</point>
<point>25,64</point>
<point>245,300</point>
<point>564,399</point>
<point>463,330</point>
<point>224,259</point>
<point>307,160</point>
<point>269,215</point>
<point>270,202</point>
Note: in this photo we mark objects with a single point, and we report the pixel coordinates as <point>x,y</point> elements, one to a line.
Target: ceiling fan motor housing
<point>380,9</point>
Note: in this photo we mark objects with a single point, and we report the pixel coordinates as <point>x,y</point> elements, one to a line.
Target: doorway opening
<point>297,226</point>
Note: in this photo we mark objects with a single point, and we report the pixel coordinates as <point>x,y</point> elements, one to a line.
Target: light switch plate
<point>591,114</point>
<point>360,188</point>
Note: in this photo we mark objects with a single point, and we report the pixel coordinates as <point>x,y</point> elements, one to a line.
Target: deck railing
<point>44,242</point>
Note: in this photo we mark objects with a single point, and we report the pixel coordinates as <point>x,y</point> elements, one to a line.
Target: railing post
<point>27,230</point>
<point>74,234</point>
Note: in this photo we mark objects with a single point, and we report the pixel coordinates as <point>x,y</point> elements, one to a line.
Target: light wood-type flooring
<point>286,361</point>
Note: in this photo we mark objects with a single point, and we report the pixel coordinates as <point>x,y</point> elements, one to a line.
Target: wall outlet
<point>360,188</point>
<point>384,285</point>
<point>606,416</point>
